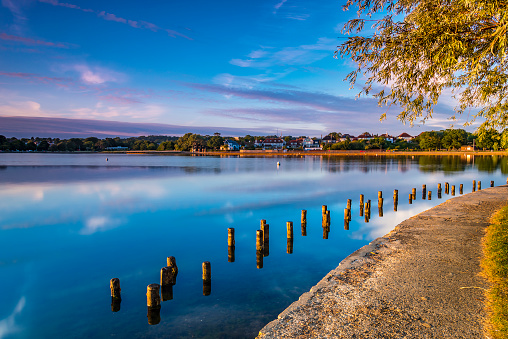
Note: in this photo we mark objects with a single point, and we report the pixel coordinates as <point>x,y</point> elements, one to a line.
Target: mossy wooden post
<point>116,298</point>
<point>461,189</point>
<point>474,186</point>
<point>430,195</point>
<point>453,190</point>
<point>266,239</point>
<point>207,278</point>
<point>154,315</point>
<point>424,192</point>
<point>410,199</point>
<point>413,192</point>
<point>153,298</point>
<point>289,233</point>
<point>361,205</point>
<point>479,185</point>
<point>492,183</point>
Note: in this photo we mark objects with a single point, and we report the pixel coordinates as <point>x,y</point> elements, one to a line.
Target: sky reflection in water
<point>69,223</point>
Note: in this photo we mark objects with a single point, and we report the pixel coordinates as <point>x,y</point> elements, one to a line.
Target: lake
<point>71,222</point>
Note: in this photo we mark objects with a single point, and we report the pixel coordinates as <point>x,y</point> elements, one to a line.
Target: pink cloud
<point>63,4</point>
<point>119,99</point>
<point>111,17</point>
<point>31,41</point>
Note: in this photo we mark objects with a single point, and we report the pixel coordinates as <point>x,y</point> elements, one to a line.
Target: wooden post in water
<point>439,187</point>
<point>116,298</point>
<point>413,192</point>
<point>461,189</point>
<point>171,262</point>
<point>410,199</point>
<point>447,188</point>
<point>153,312</point>
<point>453,190</point>
<point>479,185</point>
<point>266,239</point>
<point>323,216</point>
<point>424,192</point>
<point>231,253</point>
<point>152,295</point>
<point>166,276</point>
<point>348,204</point>
<point>346,224</point>
<point>395,199</point>
<point>366,213</point>
<point>492,183</point>
<point>262,222</point>
<point>474,185</point>
<point>430,195</point>
<point>304,217</point>
<point>361,205</point>
<point>114,285</point>
<point>259,240</point>
<point>328,222</point>
<point>231,237</point>
<point>380,195</point>
<point>289,232</point>
<point>207,278</point>
<point>347,211</point>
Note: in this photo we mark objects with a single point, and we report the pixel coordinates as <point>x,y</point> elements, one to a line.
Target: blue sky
<point>234,67</point>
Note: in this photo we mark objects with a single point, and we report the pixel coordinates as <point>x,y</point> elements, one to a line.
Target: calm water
<point>69,223</point>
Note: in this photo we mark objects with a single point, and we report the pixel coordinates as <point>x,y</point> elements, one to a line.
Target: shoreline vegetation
<point>495,270</point>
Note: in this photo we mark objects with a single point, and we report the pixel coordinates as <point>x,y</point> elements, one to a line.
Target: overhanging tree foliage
<point>422,48</point>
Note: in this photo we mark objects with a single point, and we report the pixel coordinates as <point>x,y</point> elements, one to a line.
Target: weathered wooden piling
<point>207,278</point>
<point>413,192</point>
<point>492,183</point>
<point>262,222</point>
<point>114,285</point>
<point>266,240</point>
<point>231,237</point>
<point>380,195</point>
<point>429,195</point>
<point>304,217</point>
<point>289,233</point>
<point>379,202</point>
<point>328,221</point>
<point>116,299</point>
<point>410,199</point>
<point>439,187</point>
<point>361,205</point>
<point>395,195</point>
<point>304,230</point>
<point>326,231</point>
<point>346,224</point>
<point>447,188</point>
<point>380,211</point>
<point>348,204</point>
<point>259,259</point>
<point>259,240</point>
<point>453,190</point>
<point>424,192</point>
<point>166,276</point>
<point>324,218</point>
<point>171,262</point>
<point>474,186</point>
<point>153,298</point>
<point>461,189</point>
<point>479,185</point>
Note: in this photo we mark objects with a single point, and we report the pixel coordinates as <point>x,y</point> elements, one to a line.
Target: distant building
<point>344,137</point>
<point>467,148</point>
<point>231,145</point>
<point>364,136</point>
<point>329,140</point>
<point>295,143</point>
<point>274,143</point>
<point>405,136</point>
<point>388,137</point>
<point>310,145</point>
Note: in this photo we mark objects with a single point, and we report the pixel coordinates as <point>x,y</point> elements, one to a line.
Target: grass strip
<point>495,270</point>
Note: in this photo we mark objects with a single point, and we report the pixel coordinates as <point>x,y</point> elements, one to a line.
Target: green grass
<point>495,270</point>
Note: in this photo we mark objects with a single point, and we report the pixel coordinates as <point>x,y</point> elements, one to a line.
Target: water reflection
<point>187,213</point>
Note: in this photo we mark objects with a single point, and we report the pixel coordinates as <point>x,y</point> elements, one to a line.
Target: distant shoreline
<point>275,153</point>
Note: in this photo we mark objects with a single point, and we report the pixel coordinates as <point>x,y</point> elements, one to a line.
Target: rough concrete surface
<point>419,281</point>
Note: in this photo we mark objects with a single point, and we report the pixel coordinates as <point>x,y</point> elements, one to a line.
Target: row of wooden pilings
<point>164,291</point>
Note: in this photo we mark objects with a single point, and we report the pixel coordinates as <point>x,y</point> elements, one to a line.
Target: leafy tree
<point>421,48</point>
<point>215,142</point>
<point>488,139</point>
<point>454,138</point>
<point>429,140</point>
<point>504,139</point>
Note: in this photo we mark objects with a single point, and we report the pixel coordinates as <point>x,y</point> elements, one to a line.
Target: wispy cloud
<point>279,5</point>
<point>30,41</point>
<point>97,75</point>
<point>292,56</point>
<point>116,18</point>
<point>16,7</point>
<point>35,77</point>
<point>8,324</point>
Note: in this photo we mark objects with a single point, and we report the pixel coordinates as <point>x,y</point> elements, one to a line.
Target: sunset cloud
<point>30,41</point>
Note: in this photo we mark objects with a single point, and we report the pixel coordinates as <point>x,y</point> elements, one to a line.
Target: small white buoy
<point>278,164</point>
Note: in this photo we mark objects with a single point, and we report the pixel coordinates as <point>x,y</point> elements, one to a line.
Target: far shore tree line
<point>449,139</point>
